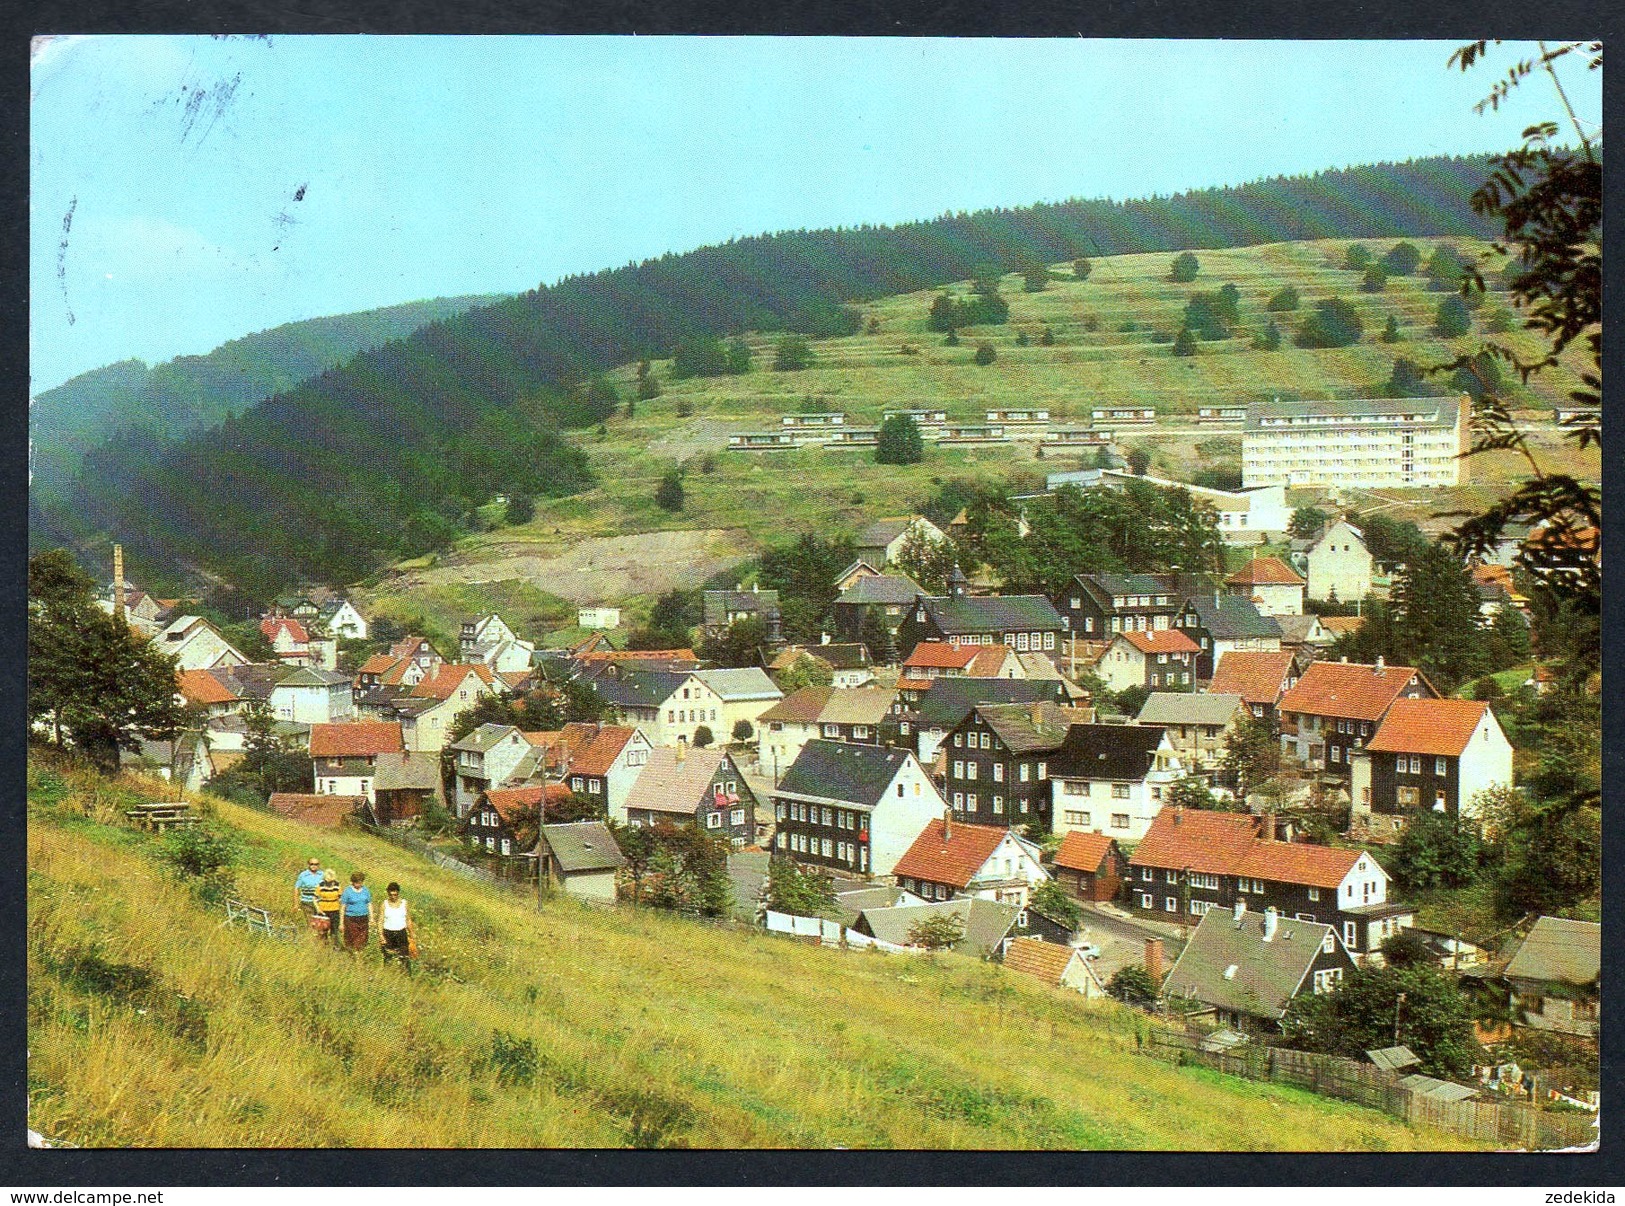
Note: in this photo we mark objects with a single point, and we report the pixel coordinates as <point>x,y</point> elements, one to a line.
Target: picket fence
<point>1506,1124</point>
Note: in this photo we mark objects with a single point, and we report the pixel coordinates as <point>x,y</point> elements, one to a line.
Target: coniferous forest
<point>386,455</point>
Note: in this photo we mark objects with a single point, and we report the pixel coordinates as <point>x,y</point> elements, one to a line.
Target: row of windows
<point>814,814</point>
<point>1080,820</point>
<point>490,843</point>
<point>688,715</point>
<point>713,820</point>
<point>593,786</point>
<point>1019,641</point>
<point>1086,787</point>
<point>1024,770</point>
<point>1440,765</point>
<point>1200,879</point>
<point>967,802</point>
<point>847,852</point>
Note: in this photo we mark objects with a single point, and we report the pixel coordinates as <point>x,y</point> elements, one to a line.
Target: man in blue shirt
<point>304,887</point>
<point>356,905</point>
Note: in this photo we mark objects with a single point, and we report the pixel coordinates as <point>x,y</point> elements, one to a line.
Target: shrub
<point>1375,280</point>
<point>1046,337</point>
<point>1452,318</point>
<point>792,889</point>
<point>1022,339</point>
<point>685,407</point>
<point>669,494</point>
<point>1269,339</point>
<point>1357,258</point>
<point>742,730</point>
<point>986,354</point>
<point>1402,259</point>
<point>514,1059</point>
<point>521,509</point>
<point>1334,323</point>
<point>1499,322</point>
<point>203,858</point>
<point>938,932</point>
<point>1050,899</point>
<point>1081,268</point>
<point>791,354</point>
<point>703,736</point>
<point>1390,332</point>
<point>1184,268</point>
<point>899,442</point>
<point>952,339</point>
<point>1133,985</point>
<point>1185,343</point>
<point>1283,299</point>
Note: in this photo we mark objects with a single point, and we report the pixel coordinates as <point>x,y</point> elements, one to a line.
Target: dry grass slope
<point>151,1025</point>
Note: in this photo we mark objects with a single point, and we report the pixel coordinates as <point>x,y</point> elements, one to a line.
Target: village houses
<point>852,808</point>
<point>1270,585</point>
<point>1260,679</point>
<point>1090,865</point>
<point>1112,778</point>
<point>1436,754</point>
<point>951,859</point>
<point>344,757</point>
<point>1221,624</point>
<point>855,714</point>
<point>1335,708</point>
<point>1336,562</point>
<point>1154,659</point>
<point>702,787</point>
<point>1197,727</point>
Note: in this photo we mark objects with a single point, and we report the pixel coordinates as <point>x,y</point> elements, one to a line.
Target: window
<point>832,730</point>
<point>1439,767</point>
<point>1407,797</point>
<point>1326,980</point>
<point>713,820</point>
<point>1043,771</point>
<point>474,840</point>
<point>1076,818</point>
<point>899,791</point>
<point>736,817</point>
<point>987,741</point>
<point>1329,942</point>
<point>1119,820</point>
<point>1198,907</point>
<point>490,843</point>
<point>1314,893</point>
<point>959,799</point>
<point>998,772</point>
<point>970,770</point>
<point>1026,771</point>
<point>998,805</point>
<point>1170,904</point>
<point>956,743</point>
<point>959,768</point>
<point>1336,753</point>
<point>1120,791</point>
<point>825,843</point>
<point>1049,640</point>
<point>860,731</point>
<point>1146,902</point>
<point>506,846</point>
<point>1416,764</point>
<point>575,783</point>
<point>970,801</point>
<point>1146,873</point>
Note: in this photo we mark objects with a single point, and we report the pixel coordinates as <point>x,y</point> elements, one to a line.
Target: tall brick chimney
<point>1153,960</point>
<point>118,583</point>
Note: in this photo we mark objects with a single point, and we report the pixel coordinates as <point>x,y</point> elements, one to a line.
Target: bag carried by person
<point>320,925</point>
<point>411,947</point>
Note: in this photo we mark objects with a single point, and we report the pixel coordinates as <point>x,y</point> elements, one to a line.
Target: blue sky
<point>186,191</point>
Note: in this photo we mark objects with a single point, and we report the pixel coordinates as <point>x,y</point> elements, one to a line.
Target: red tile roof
<point>1046,960</point>
<point>941,656</point>
<point>989,661</point>
<point>953,859</point>
<point>407,646</point>
<point>443,682</point>
<point>378,663</point>
<point>1265,571</point>
<point>364,739</point>
<point>1161,640</point>
<point>201,687</point>
<point>513,677</point>
<point>1347,689</point>
<point>598,755</point>
<point>1227,843</point>
<point>329,812</point>
<point>508,801</point>
<point>1256,677</point>
<point>634,655</point>
<point>913,684</point>
<point>1081,851</point>
<point>1441,727</point>
<point>296,630</point>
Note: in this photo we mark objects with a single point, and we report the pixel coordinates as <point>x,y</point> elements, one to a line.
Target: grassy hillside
<point>151,1025</point>
<point>753,498</point>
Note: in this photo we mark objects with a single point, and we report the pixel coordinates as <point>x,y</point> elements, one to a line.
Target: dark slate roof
<point>256,680</point>
<point>583,846</point>
<point>718,603</point>
<point>837,770</point>
<point>882,588</point>
<point>947,701</point>
<point>1267,974</point>
<point>412,770</point>
<point>638,688</point>
<point>1112,585</point>
<point>1561,950</point>
<point>1015,727</point>
<point>1230,617</point>
<point>842,657</point>
<point>1107,751</point>
<point>994,613</point>
<point>986,922</point>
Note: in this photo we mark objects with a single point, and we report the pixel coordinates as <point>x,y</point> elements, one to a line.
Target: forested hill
<point>191,392</point>
<point>387,455</point>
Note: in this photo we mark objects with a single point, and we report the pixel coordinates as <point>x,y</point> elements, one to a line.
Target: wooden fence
<point>1506,1124</point>
<point>442,858</point>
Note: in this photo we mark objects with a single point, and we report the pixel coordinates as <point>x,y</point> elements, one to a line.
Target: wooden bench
<point>257,920</point>
<point>162,815</point>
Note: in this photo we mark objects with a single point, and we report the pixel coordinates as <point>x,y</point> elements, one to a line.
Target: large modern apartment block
<point>1376,442</point>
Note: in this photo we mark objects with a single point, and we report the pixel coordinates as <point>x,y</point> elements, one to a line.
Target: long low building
<point>1365,442</point>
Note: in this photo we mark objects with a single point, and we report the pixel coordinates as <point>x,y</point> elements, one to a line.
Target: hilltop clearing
<point>152,1025</point>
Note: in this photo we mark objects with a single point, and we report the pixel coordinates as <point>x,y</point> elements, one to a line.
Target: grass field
<point>149,1024</point>
<point>758,498</point>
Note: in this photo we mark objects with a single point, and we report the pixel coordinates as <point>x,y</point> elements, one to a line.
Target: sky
<point>190,190</point>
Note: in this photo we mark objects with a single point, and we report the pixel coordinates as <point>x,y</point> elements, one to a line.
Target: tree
<point>1184,343</point>
<point>803,571</point>
<point>1252,754</point>
<point>1035,278</point>
<point>1436,850</point>
<point>1477,376</point>
<point>1081,268</point>
<point>1435,609</point>
<point>1390,330</point>
<point>944,314</point>
<point>940,931</point>
<point>89,678</point>
<point>1375,280</point>
<point>986,354</point>
<point>1445,269</point>
<point>1283,300</point>
<point>801,891</point>
<point>1452,318</point>
<point>1139,460</point>
<point>1046,337</point>
<point>738,357</point>
<point>899,442</point>
<point>1357,257</point>
<point>1269,339</point>
<point>1190,792</point>
<point>1406,380</point>
<point>669,494</point>
<point>1333,323</point>
<point>1132,984</point>
<point>521,509</point>
<point>1369,1005</point>
<point>699,357</point>
<point>742,730</point>
<point>1306,522</point>
<point>1184,268</point>
<point>1131,699</point>
<point>791,354</point>
<point>1402,259</point>
<point>878,637</point>
<point>1404,949</point>
<point>683,868</point>
<point>807,670</point>
<point>1212,315</point>
<point>739,645</point>
<point>1051,900</point>
<point>648,385</point>
<point>1556,861</point>
<point>703,736</point>
<point>927,560</point>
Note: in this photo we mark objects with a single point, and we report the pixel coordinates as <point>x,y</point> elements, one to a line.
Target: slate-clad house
<point>1259,678</point>
<point>1197,726</point>
<point>404,786</point>
<point>1248,966</point>
<point>1024,622</point>
<point>1428,754</point>
<point>882,541</point>
<point>1157,659</point>
<point>494,823</point>
<point>605,768</point>
<point>1090,865</point>
<point>853,809</point>
<point>857,714</point>
<point>721,608</point>
<point>952,859</point>
<point>1096,606</point>
<point>1111,777</point>
<point>580,859</point>
<point>698,787</point>
<point>493,756</point>
<point>1335,708</point>
<point>1222,624</point>
<point>668,706</point>
<point>1555,977</point>
<point>998,762</point>
<point>944,705</point>
<point>1193,861</point>
<point>887,597</point>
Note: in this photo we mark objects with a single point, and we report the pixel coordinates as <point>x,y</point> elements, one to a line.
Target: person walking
<point>304,888</point>
<point>356,903</point>
<point>329,902</point>
<point>397,936</point>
